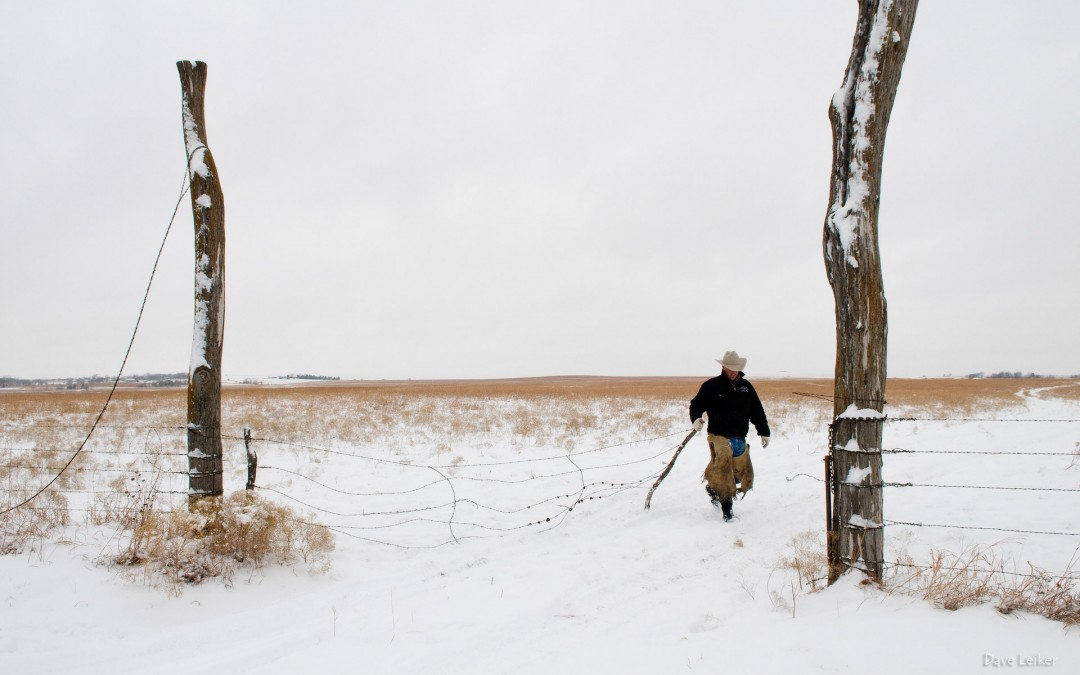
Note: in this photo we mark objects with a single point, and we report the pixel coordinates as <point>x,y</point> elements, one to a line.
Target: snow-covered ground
<point>461,570</point>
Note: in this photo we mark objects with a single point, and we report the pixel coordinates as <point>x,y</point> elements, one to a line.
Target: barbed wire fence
<point>374,497</point>
<point>102,465</point>
<point>428,505</point>
<point>1071,495</point>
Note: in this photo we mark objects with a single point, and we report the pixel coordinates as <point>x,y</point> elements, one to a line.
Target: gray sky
<point>427,189</point>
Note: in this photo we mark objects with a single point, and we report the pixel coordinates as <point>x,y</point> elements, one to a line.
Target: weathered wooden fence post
<point>858,535</point>
<point>252,460</point>
<point>204,374</point>
<point>859,114</point>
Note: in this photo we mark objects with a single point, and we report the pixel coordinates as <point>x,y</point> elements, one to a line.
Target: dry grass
<point>980,575</point>
<point>118,480</point>
<point>542,412</point>
<point>27,528</point>
<point>808,559</point>
<point>409,402</point>
<point>217,537</point>
<point>964,396</point>
<point>524,388</point>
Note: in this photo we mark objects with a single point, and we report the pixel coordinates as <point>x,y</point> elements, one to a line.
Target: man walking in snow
<point>731,404</point>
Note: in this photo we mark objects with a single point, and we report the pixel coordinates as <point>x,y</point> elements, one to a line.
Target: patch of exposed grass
<point>219,536</point>
<point>25,528</point>
<point>981,575</point>
<point>806,557</point>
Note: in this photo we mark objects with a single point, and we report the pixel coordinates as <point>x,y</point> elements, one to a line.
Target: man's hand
<point>764,442</point>
<point>698,423</point>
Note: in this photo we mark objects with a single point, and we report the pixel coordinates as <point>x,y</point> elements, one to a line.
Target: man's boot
<point>725,506</point>
<point>713,496</point>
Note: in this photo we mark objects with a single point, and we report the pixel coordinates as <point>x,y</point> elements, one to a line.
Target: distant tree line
<point>294,376</point>
<point>54,383</point>
<point>290,376</point>
<point>1012,375</point>
<point>77,383</point>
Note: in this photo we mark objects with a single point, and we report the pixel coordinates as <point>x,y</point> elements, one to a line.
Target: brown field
<point>937,391</point>
<point>553,411</point>
<point>398,417</point>
<point>930,394</point>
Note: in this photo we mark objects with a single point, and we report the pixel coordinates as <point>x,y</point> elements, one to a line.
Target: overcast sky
<point>431,188</point>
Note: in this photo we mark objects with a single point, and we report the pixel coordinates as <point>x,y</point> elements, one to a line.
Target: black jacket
<point>731,407</point>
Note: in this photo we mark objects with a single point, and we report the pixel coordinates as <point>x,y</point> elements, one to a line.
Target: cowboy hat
<point>732,361</point>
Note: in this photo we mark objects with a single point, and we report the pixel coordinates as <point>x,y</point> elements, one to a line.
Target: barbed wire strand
<point>344,529</point>
<point>462,478</point>
<point>831,399</point>
<point>975,527</point>
<point>1014,453</point>
<point>579,497</point>
<point>612,488</point>
<point>91,451</point>
<point>453,509</point>
<point>348,492</point>
<point>276,489</point>
<point>581,475</point>
<point>885,484</point>
<point>464,465</point>
<point>91,507</point>
<point>975,419</point>
<point>389,543</point>
<point>420,509</point>
<point>1042,575</point>
<point>979,487</point>
<point>662,453</point>
<point>31,425</point>
<point>85,470</point>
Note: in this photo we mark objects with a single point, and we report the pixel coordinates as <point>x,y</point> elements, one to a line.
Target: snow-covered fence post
<point>859,114</point>
<point>858,539</point>
<point>204,374</point>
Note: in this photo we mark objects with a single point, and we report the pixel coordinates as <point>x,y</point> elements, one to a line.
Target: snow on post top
<point>854,412</point>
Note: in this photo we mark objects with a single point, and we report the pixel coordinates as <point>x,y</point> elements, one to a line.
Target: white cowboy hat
<point>732,361</point>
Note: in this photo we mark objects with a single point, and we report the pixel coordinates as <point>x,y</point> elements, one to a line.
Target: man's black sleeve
<point>757,415</point>
<point>697,404</point>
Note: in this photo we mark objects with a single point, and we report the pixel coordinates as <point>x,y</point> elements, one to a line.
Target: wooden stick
<point>667,469</point>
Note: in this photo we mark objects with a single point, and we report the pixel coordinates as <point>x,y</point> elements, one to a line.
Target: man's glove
<point>764,442</point>
<point>698,423</point>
